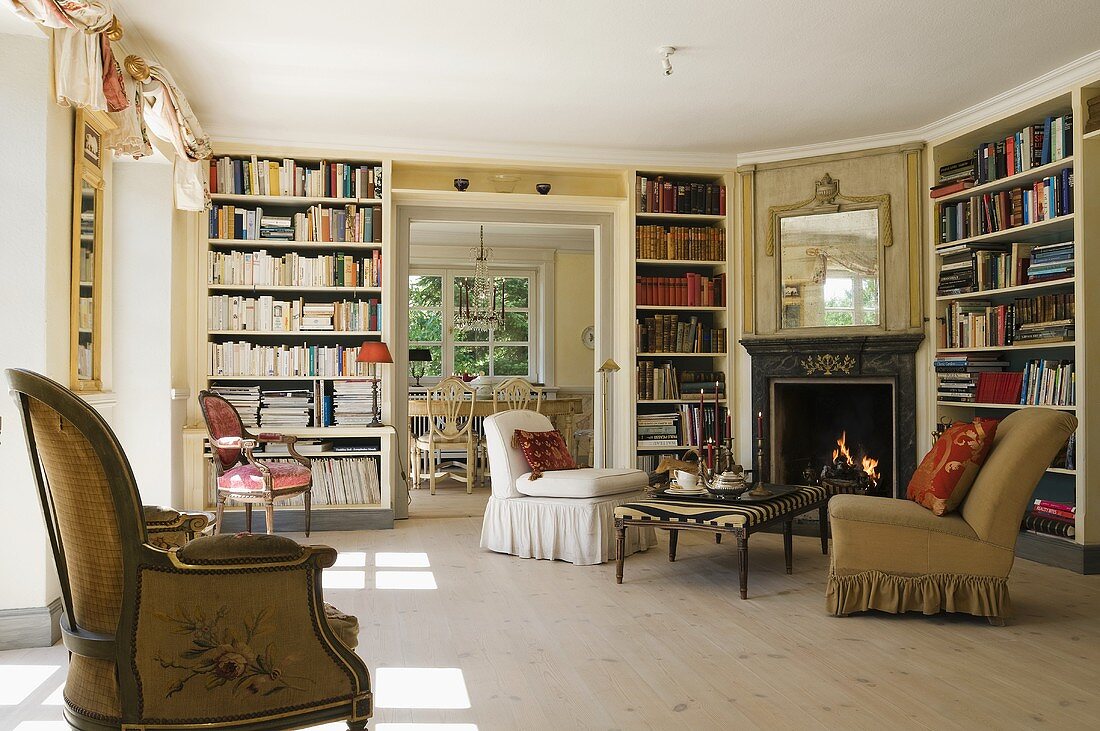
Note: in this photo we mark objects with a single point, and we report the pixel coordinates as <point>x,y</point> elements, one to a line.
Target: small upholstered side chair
<point>245,479</point>
<point>227,632</point>
<point>450,424</point>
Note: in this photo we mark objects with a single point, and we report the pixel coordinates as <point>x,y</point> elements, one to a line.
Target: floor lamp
<point>609,366</point>
<point>374,352</point>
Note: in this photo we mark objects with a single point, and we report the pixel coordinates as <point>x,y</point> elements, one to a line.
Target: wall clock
<point>588,337</point>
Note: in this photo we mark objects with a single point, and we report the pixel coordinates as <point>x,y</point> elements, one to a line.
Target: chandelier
<point>478,309</point>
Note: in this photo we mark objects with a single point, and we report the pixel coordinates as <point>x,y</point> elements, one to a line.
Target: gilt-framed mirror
<point>829,252</point>
<point>86,298</point>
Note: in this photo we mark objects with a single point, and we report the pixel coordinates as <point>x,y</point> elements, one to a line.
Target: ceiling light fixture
<point>666,58</point>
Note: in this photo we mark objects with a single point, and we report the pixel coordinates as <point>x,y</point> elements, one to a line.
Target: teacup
<point>686,480</point>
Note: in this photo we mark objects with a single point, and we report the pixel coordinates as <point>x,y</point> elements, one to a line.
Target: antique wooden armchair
<point>229,631</point>
<point>242,477</point>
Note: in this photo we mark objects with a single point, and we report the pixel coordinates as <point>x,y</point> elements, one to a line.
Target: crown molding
<point>836,147</point>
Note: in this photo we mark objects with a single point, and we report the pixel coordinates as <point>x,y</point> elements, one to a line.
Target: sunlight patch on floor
<point>404,580</point>
<point>401,560</point>
<point>426,727</point>
<point>344,579</point>
<point>44,726</point>
<point>57,698</point>
<point>442,688</point>
<point>350,559</point>
<point>19,681</point>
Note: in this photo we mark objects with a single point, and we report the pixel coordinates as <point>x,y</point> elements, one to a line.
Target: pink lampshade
<point>373,351</point>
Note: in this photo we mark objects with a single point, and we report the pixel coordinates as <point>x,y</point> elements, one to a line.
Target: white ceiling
<point>501,235</point>
<point>578,79</point>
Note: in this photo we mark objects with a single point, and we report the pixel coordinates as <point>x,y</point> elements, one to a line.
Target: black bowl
<point>542,188</point>
<point>461,184</point>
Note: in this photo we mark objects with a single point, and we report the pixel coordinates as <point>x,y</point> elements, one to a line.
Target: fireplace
<point>820,423</point>
<point>815,391</point>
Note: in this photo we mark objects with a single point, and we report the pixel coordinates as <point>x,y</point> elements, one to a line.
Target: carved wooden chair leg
<point>788,545</point>
<point>357,725</point>
<point>219,513</point>
<point>248,517</point>
<point>620,552</point>
<point>309,500</point>
<point>743,564</point>
<point>823,529</point>
<point>269,513</point>
<point>673,535</point>
<point>717,537</point>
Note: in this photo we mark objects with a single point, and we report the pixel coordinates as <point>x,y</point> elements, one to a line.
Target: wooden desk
<point>561,412</point>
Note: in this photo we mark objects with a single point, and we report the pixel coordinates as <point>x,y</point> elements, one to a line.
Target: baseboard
<point>294,520</point>
<point>30,626</point>
<point>1063,554</point>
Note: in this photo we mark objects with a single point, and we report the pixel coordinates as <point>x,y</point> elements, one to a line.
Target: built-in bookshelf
<point>681,304</point>
<point>291,274</point>
<point>1010,225</point>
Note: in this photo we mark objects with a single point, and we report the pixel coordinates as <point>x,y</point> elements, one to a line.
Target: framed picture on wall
<point>91,142</point>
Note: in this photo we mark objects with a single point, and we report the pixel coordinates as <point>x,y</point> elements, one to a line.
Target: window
<point>851,299</point>
<point>507,351</point>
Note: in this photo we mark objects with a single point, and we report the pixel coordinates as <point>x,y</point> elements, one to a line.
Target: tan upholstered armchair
<point>897,556</point>
<point>226,632</point>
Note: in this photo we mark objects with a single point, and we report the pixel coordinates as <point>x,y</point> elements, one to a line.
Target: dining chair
<point>516,393</point>
<point>243,478</point>
<point>450,423</point>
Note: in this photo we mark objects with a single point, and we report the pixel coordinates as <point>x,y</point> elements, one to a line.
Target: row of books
<point>686,425</point>
<point>289,361</point>
<point>980,323</point>
<point>670,334</point>
<point>659,430</point>
<point>286,409</point>
<point>259,268</point>
<point>336,481</point>
<point>352,403</point>
<point>85,313</point>
<point>254,176</point>
<point>1041,383</point>
<point>978,267</point>
<point>1042,200</point>
<point>690,290</point>
<point>350,224</point>
<point>1047,517</point>
<point>657,381</point>
<point>267,314</point>
<point>663,195</point>
<point>695,243</point>
<point>1031,147</point>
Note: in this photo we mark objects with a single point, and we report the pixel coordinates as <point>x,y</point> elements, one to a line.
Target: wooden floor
<point>546,645</point>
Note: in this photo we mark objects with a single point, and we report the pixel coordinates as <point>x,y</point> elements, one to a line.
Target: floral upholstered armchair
<point>228,631</point>
<point>171,528</point>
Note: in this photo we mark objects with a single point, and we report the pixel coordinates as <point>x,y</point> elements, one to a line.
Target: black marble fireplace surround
<point>886,362</point>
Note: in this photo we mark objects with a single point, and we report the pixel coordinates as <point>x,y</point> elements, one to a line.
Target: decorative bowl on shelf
<point>461,184</point>
<point>503,183</point>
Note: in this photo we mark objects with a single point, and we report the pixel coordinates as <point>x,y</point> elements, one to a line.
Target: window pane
<point>838,318</point>
<point>425,326</point>
<point>510,360</point>
<point>870,301</point>
<point>434,368</point>
<point>471,336</point>
<point>425,291</point>
<point>516,291</point>
<point>838,292</point>
<point>515,328</point>
<point>473,359</point>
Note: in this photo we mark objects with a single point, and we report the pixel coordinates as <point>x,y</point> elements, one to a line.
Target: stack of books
<point>977,267</point>
<point>1047,517</point>
<point>1044,319</point>
<point>669,334</point>
<point>276,227</point>
<point>955,177</point>
<point>958,374</point>
<point>706,382</point>
<point>245,399</point>
<point>661,195</point>
<point>1048,383</point>
<point>318,315</point>
<point>695,243</point>
<point>352,403</point>
<point>1050,262</point>
<point>286,409</point>
<point>306,448</point>
<point>659,430</point>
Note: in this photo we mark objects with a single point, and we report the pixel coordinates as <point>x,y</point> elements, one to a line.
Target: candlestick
<point>699,423</point>
<point>760,424</point>
<point>717,421</point>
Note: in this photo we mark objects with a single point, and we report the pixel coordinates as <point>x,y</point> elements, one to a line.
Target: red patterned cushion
<point>947,472</point>
<point>544,451</point>
<point>246,477</point>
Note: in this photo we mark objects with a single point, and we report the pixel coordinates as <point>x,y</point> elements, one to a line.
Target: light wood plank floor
<point>544,645</point>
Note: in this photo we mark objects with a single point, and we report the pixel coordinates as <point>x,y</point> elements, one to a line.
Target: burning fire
<point>842,455</point>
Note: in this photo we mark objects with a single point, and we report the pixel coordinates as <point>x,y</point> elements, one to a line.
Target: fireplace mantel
<point>880,356</point>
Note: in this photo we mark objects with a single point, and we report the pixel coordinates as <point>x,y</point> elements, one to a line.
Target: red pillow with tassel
<point>947,472</point>
<point>543,450</point>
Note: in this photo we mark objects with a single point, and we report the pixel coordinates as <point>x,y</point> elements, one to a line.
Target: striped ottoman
<point>718,517</point>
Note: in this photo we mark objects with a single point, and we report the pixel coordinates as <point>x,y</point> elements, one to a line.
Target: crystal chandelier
<point>478,308</point>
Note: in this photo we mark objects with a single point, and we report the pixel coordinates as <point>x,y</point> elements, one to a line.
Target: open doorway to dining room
<point>544,273</point>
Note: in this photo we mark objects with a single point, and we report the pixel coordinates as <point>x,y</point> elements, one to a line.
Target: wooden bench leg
<point>743,563</point>
<point>673,534</point>
<point>823,525</point>
<point>620,552</point>
<point>788,545</point>
<point>717,537</point>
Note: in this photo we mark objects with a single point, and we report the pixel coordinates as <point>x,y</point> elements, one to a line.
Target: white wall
<point>146,420</point>
<point>35,203</point>
<point>574,310</point>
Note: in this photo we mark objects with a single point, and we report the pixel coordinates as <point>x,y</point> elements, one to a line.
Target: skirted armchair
<point>228,631</point>
<point>897,556</point>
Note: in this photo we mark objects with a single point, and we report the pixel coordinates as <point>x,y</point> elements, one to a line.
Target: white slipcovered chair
<point>566,514</point>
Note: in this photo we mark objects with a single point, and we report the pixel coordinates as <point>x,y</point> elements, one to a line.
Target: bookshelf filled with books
<point>681,300</point>
<point>1011,228</point>
<point>290,268</point>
